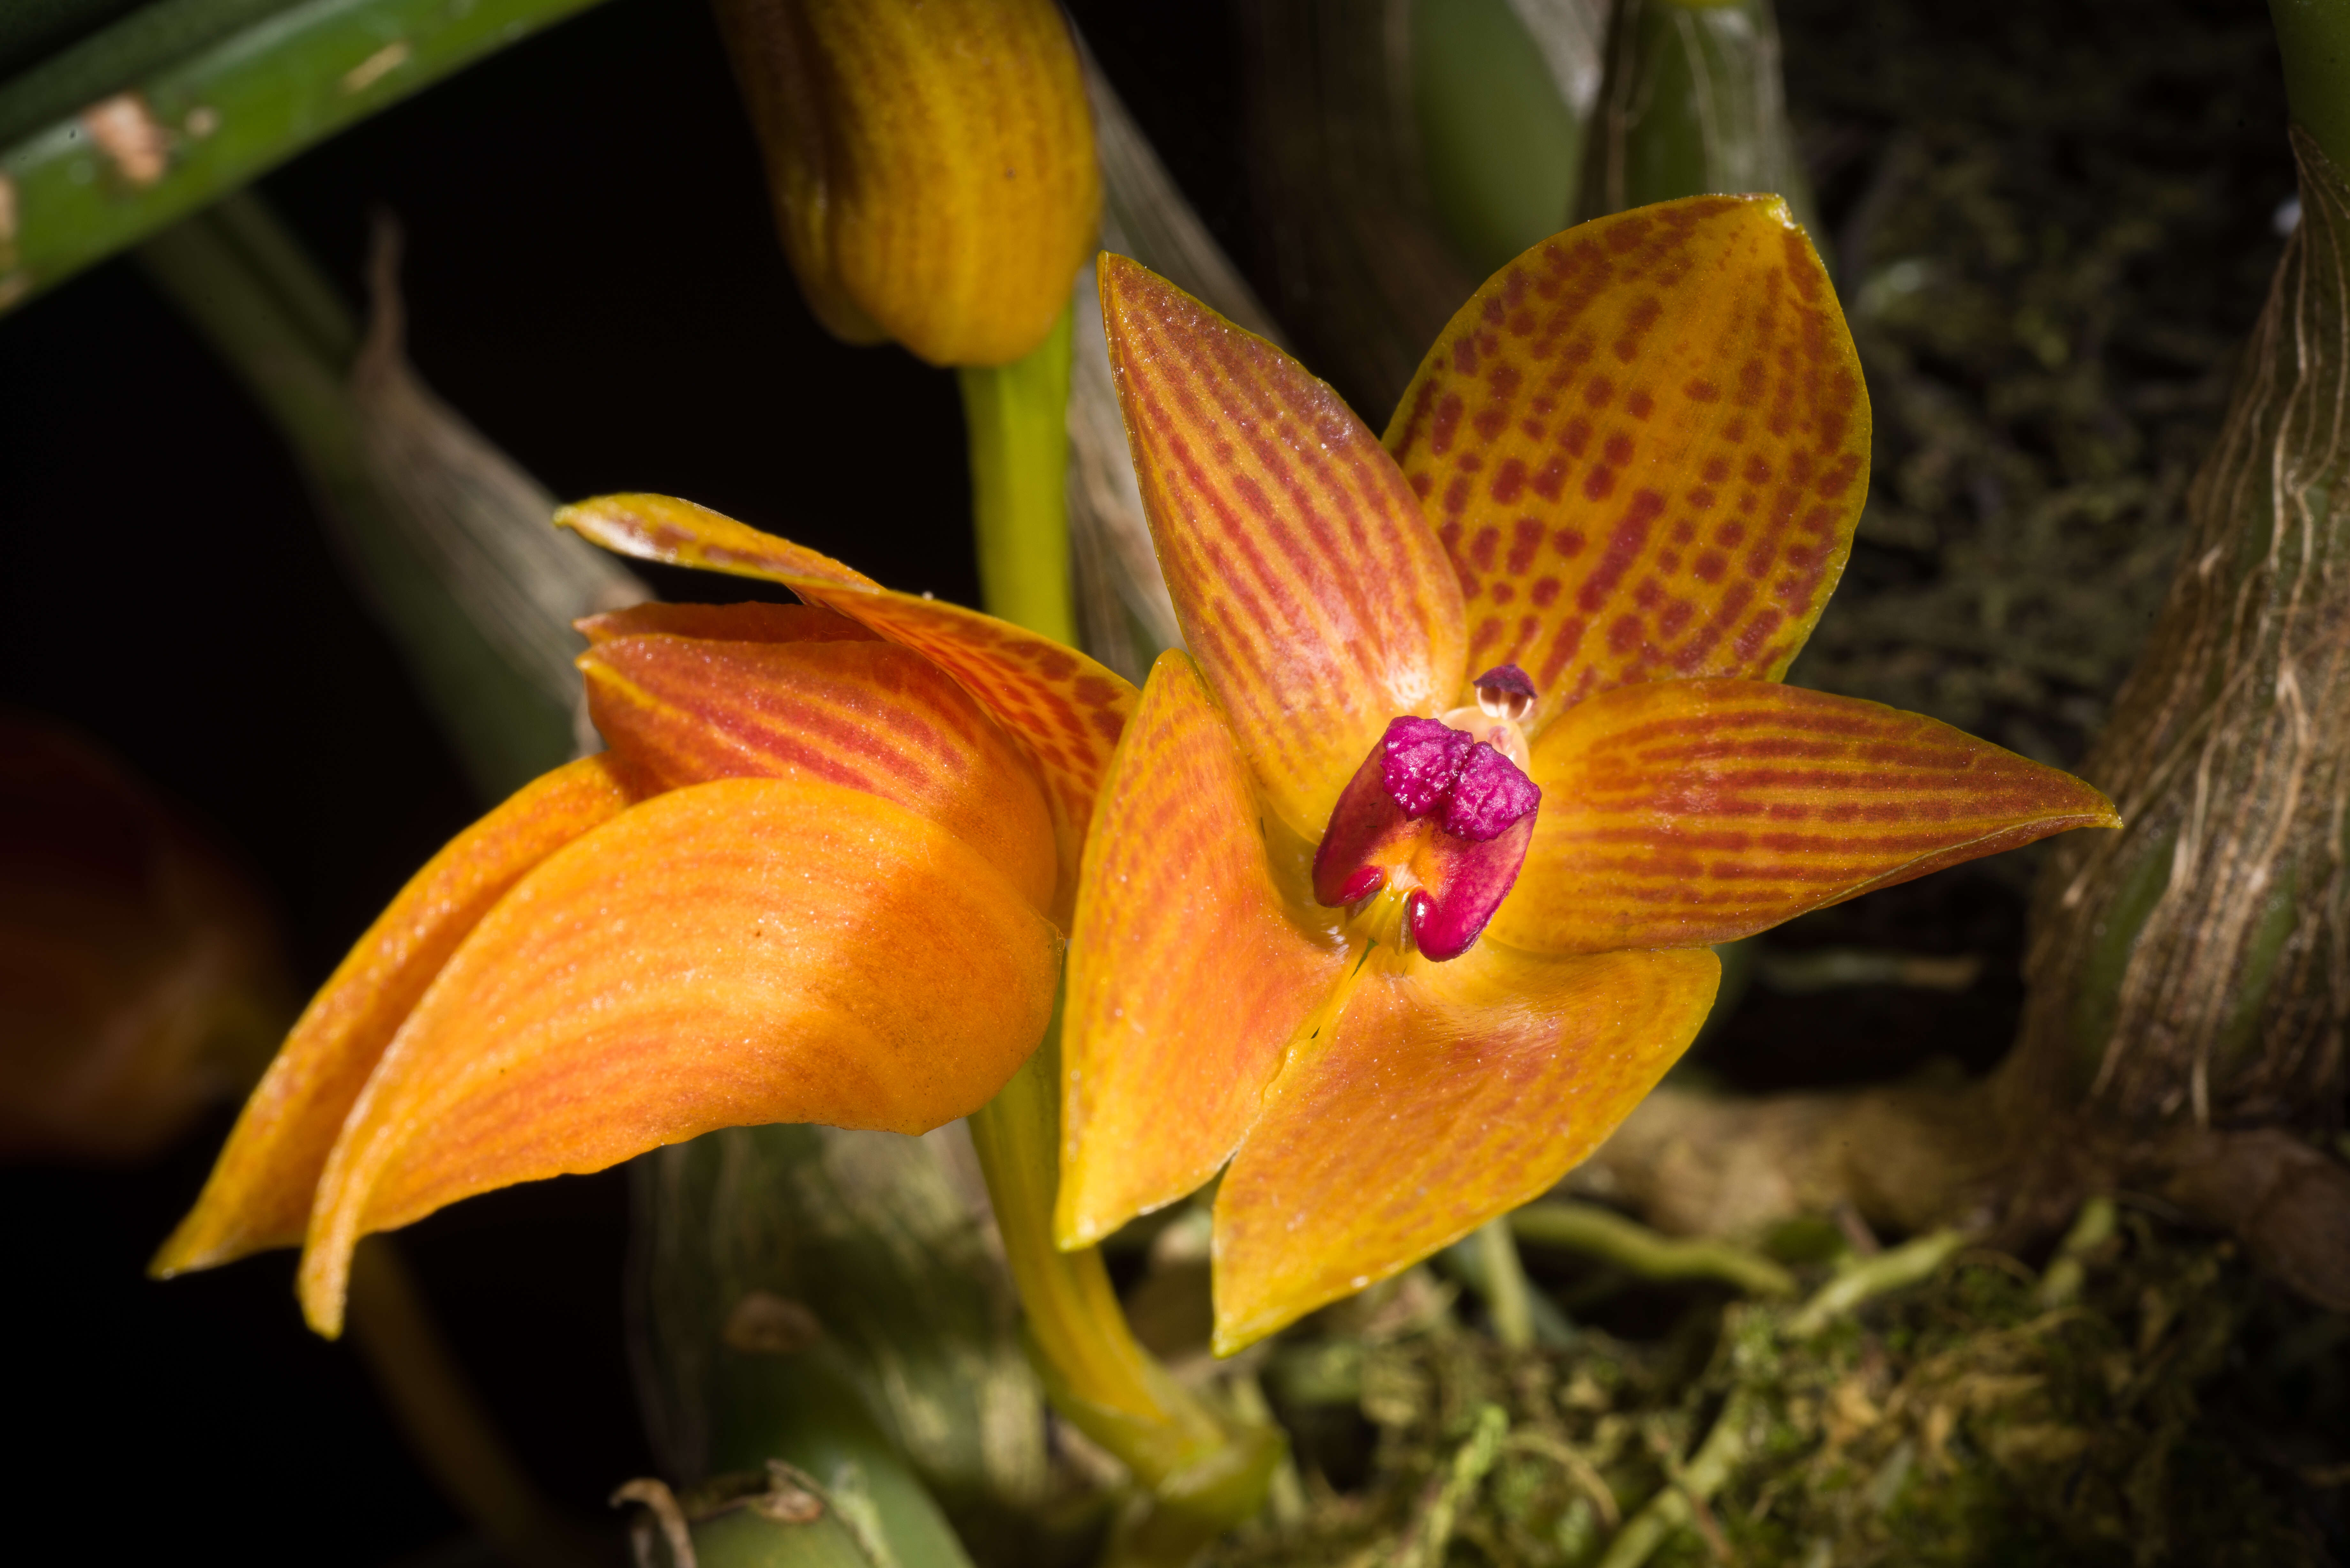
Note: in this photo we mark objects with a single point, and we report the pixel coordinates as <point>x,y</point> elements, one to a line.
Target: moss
<point>2165,1417</point>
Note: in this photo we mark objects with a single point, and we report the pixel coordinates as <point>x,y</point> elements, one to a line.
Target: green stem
<point>1603,1233</point>
<point>1201,1476</point>
<point>1091,1361</point>
<point>183,103</point>
<point>1508,1295</point>
<point>1017,419</point>
<point>1893,1270</point>
<point>1673,1509</point>
<point>2314,37</point>
<point>1201,1473</point>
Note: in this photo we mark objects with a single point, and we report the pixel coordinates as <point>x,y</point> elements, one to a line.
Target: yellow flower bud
<point>932,164</point>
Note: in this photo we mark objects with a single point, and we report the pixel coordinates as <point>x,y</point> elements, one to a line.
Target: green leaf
<point>174,106</point>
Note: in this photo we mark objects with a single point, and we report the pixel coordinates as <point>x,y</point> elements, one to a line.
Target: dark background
<point>593,281</point>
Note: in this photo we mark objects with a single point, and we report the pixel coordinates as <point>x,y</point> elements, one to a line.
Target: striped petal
<point>1645,444</point>
<point>736,953</point>
<point>1315,597</point>
<point>1440,1096</point>
<point>865,714</point>
<point>723,623</point>
<point>259,1193</point>
<point>680,533</point>
<point>1064,710</point>
<point>1684,812</point>
<point>1189,969</point>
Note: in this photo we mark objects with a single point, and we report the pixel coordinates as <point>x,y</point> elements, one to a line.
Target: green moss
<point>1960,1424</point>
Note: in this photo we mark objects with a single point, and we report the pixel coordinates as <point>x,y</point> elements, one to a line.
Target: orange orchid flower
<point>820,876</point>
<point>1402,889</point>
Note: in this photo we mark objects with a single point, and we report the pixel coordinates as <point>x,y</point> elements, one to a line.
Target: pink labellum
<point>1444,818</point>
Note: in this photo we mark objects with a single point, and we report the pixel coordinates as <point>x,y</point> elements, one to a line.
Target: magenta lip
<point>1483,807</point>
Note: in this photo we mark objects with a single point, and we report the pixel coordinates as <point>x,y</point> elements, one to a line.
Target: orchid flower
<point>1405,876</point>
<point>820,876</point>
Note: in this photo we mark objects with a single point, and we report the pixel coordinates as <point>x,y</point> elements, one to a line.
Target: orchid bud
<point>932,164</point>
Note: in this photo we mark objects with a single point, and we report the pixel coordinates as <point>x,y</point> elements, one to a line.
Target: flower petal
<point>746,951</point>
<point>1645,444</point>
<point>1684,812</point>
<point>258,1195</point>
<point>1063,708</point>
<point>1315,597</point>
<point>868,715</point>
<point>1188,971</point>
<point>1440,1096</point>
<point>680,533</point>
<point>723,623</point>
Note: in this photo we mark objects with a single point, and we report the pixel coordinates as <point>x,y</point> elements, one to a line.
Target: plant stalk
<point>1017,419</point>
<point>185,101</point>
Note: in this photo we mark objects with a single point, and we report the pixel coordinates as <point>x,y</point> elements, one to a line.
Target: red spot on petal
<point>1445,425</point>
<point>1525,538</point>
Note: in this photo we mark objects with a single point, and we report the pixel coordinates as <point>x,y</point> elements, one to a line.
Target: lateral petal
<point>1440,1096</point>
<point>741,952</point>
<point>1063,708</point>
<point>1315,598</point>
<point>753,622</point>
<point>663,528</point>
<point>1676,812</point>
<point>1645,444</point>
<point>1189,969</point>
<point>867,714</point>
<point>258,1195</point>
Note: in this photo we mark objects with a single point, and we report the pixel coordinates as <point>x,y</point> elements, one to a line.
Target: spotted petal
<point>736,953</point>
<point>1189,969</point>
<point>1313,595</point>
<point>1645,444</point>
<point>867,714</point>
<point>1063,708</point>
<point>1681,812</point>
<point>259,1193</point>
<point>1440,1096</point>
